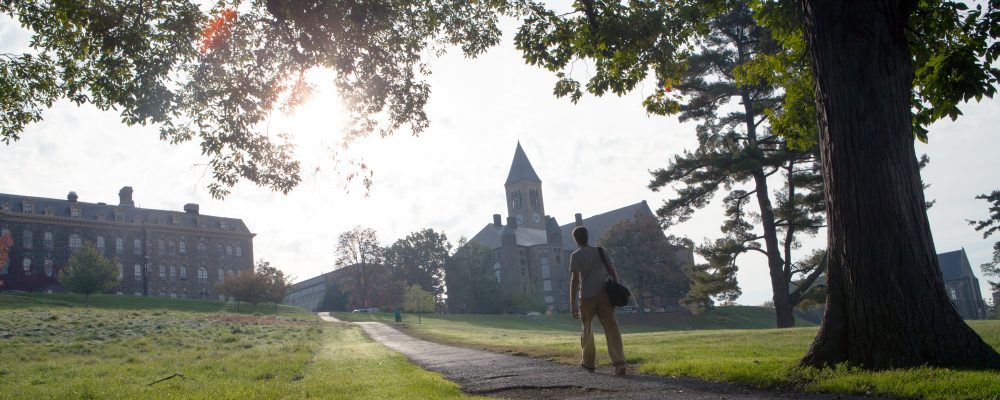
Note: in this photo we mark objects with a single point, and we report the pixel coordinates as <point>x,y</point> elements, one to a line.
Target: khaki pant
<point>600,305</point>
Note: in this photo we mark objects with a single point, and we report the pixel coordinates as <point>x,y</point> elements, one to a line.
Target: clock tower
<point>524,193</point>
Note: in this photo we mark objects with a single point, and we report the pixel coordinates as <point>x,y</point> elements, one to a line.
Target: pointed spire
<point>520,168</point>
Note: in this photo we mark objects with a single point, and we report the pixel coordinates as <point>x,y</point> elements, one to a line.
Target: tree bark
<point>886,305</point>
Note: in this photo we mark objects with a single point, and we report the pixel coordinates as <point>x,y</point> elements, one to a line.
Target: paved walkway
<point>486,373</point>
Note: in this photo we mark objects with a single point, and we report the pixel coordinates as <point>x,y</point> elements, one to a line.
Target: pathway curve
<point>487,373</point>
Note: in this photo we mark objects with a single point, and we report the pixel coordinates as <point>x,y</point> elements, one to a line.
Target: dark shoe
<point>620,370</point>
<point>589,369</point>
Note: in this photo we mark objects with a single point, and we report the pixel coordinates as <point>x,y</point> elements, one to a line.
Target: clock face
<point>537,218</point>
<point>519,218</point>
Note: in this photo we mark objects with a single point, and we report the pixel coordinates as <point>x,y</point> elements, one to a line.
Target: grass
<point>759,357</point>
<point>53,348</point>
<point>116,302</point>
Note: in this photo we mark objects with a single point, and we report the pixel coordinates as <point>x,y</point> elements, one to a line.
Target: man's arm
<point>574,293</point>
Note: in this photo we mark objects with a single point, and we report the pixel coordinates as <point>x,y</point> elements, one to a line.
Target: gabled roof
<point>489,236</point>
<point>955,265</point>
<point>520,168</point>
<point>598,224</point>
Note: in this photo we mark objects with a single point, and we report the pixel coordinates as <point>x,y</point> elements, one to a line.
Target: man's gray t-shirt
<point>587,261</point>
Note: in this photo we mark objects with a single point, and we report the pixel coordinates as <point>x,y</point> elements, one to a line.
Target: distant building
<point>962,285</point>
<point>531,252</point>
<point>158,252</point>
<point>309,293</point>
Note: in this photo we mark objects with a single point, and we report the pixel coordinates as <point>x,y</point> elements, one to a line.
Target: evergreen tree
<point>88,272</point>
<point>990,226</point>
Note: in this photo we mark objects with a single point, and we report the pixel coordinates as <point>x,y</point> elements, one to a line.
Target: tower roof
<point>520,168</point>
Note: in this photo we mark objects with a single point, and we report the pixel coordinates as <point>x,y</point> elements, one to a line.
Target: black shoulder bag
<point>618,293</point>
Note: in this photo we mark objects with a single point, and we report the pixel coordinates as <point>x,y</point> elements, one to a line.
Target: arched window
<point>138,272</point>
<point>100,244</point>
<point>27,266</point>
<point>496,271</point>
<point>48,266</point>
<point>119,246</point>
<point>222,275</point>
<point>239,251</point>
<point>544,262</point>
<point>163,272</point>
<point>202,274</point>
<point>182,247</point>
<point>137,247</point>
<point>121,272</point>
<point>173,272</point>
<point>48,242</point>
<point>229,250</point>
<point>184,273</point>
<point>28,239</point>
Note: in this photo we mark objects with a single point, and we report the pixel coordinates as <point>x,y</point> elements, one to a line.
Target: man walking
<point>589,270</point>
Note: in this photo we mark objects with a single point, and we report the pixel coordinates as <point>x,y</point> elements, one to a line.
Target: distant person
<point>398,315</point>
<point>588,270</point>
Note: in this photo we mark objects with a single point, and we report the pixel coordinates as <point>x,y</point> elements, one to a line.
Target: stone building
<point>531,251</point>
<point>961,284</point>
<point>158,252</point>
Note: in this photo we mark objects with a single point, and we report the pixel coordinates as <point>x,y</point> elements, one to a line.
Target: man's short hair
<point>580,235</point>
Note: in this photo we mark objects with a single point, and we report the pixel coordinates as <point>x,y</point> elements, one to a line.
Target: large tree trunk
<point>887,306</point>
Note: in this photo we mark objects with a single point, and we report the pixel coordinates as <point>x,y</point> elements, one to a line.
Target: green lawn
<point>760,357</point>
<point>53,348</point>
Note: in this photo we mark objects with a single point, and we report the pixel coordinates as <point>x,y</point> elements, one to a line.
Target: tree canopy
<point>217,75</point>
<point>89,272</point>
<point>988,227</point>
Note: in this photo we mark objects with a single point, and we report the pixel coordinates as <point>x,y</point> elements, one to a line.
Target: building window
<point>223,225</point>
<point>184,273</point>
<point>182,247</point>
<point>121,273</point>
<point>202,275</point>
<point>229,250</point>
<point>75,242</point>
<point>26,264</point>
<point>549,300</point>
<point>48,266</point>
<point>119,216</point>
<point>544,261</point>
<point>28,239</point>
<point>218,248</point>
<point>533,197</point>
<point>100,244</point>
<point>496,271</point>
<point>163,272</point>
<point>160,247</point>
<point>119,246</point>
<point>138,272</point>
<point>173,272</point>
<point>201,247</point>
<point>74,212</point>
<point>239,251</point>
<point>172,248</point>
<point>952,294</point>
<point>137,247</point>
<point>222,275</point>
<point>515,199</point>
<point>28,208</point>
<point>49,243</point>
<point>547,285</point>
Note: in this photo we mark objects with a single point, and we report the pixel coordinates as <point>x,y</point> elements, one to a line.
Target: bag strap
<point>604,259</point>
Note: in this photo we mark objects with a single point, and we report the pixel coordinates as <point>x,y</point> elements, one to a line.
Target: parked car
<point>627,310</point>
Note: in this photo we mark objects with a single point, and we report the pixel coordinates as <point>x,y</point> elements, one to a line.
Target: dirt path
<point>486,373</point>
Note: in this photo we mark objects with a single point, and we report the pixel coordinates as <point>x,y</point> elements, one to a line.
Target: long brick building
<point>158,252</point>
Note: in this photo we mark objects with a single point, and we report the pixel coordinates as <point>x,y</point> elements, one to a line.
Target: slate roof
<point>596,225</point>
<point>489,236</point>
<point>520,168</point>
<point>955,265</point>
<point>106,212</point>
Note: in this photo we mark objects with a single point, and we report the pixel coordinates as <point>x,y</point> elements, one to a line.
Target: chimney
<point>125,197</point>
<point>579,219</point>
<point>191,208</point>
<point>72,196</point>
<point>496,221</point>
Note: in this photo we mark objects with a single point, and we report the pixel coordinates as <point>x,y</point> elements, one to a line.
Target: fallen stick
<point>170,377</point>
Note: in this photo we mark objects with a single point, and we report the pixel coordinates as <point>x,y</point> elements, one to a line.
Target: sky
<point>592,157</point>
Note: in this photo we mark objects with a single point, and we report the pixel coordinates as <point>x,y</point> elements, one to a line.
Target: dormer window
<point>119,216</point>
<point>27,207</point>
<point>74,211</point>
<point>5,207</point>
<point>223,225</point>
